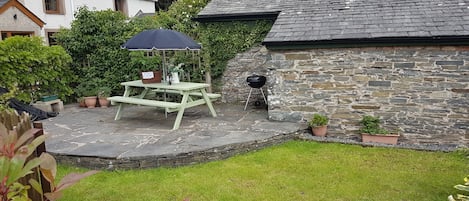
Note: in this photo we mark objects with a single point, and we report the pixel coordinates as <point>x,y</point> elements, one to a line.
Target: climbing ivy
<point>223,40</point>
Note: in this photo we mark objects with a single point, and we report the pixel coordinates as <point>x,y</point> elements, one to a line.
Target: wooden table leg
<point>208,102</point>
<point>121,105</point>
<point>119,110</point>
<point>144,93</point>
<point>178,120</point>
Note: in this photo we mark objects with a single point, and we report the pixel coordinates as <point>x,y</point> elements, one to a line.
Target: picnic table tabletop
<point>181,86</point>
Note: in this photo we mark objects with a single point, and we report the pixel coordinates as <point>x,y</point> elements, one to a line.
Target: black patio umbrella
<point>161,40</point>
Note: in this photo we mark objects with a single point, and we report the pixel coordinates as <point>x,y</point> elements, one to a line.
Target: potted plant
<point>81,101</point>
<point>88,90</point>
<point>103,94</point>
<point>318,124</point>
<point>79,94</point>
<point>372,132</point>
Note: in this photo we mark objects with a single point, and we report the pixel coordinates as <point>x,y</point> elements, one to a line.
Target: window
<point>121,6</point>
<point>6,34</point>
<point>50,38</point>
<point>53,6</point>
<point>162,5</point>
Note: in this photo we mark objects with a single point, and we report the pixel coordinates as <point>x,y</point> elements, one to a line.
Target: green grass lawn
<point>292,171</point>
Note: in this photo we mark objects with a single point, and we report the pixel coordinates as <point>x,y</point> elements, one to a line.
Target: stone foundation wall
<point>423,92</point>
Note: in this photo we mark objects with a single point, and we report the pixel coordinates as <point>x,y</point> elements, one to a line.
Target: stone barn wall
<point>421,91</point>
<point>235,88</point>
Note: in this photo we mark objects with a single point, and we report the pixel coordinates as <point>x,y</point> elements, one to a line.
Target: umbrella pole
<point>164,67</point>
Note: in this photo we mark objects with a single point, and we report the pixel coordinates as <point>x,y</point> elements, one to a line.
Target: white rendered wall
<point>135,5</point>
<point>55,21</point>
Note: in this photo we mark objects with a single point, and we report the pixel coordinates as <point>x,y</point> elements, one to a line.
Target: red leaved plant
<point>16,162</point>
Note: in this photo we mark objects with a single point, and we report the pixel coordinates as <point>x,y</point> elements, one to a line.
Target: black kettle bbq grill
<point>255,82</point>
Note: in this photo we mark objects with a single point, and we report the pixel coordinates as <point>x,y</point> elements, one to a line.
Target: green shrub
<point>93,42</point>
<point>88,88</point>
<point>104,92</point>
<point>32,70</point>
<point>371,125</point>
<point>318,120</point>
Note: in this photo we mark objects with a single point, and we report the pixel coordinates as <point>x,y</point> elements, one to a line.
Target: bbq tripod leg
<point>247,101</point>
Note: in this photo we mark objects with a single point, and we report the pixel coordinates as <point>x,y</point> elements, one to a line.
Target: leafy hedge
<point>94,44</point>
<point>30,70</point>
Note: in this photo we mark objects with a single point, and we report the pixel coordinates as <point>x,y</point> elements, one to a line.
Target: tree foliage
<point>94,41</point>
<point>30,69</point>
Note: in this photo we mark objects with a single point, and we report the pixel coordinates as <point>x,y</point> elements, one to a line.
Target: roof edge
<point>367,42</point>
<point>23,9</point>
<point>237,16</point>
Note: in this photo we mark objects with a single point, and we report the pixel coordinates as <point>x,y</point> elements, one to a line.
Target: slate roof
<point>3,2</point>
<point>227,7</point>
<point>330,20</point>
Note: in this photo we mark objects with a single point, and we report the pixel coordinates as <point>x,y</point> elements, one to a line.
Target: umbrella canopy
<point>161,39</point>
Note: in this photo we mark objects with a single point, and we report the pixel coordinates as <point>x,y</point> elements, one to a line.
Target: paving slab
<point>143,138</point>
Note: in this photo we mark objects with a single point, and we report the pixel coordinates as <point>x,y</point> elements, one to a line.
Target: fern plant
<point>370,125</point>
<point>462,187</point>
<point>318,120</point>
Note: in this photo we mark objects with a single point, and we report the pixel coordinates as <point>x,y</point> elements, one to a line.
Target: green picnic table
<point>193,94</point>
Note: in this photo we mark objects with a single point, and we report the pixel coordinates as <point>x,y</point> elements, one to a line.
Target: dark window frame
<point>54,6</point>
<point>6,34</point>
<point>50,38</point>
<point>121,6</point>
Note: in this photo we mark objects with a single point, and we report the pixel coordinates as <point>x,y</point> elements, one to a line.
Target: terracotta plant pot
<point>385,139</point>
<point>319,131</point>
<point>103,102</point>
<point>90,101</point>
<point>81,102</point>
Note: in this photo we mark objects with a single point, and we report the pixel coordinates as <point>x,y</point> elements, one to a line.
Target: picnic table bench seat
<point>139,101</point>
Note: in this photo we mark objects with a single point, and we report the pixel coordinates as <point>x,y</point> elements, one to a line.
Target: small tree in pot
<point>318,124</point>
<point>372,132</point>
<point>88,90</point>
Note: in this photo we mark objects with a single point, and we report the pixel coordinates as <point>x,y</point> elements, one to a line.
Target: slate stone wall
<point>421,91</point>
